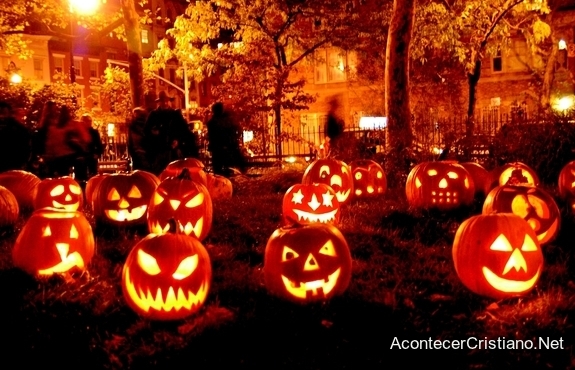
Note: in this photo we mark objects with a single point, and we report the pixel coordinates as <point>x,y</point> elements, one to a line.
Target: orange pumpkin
<point>9,209</point>
<point>368,178</point>
<point>23,185</point>
<point>304,204</point>
<point>513,173</point>
<point>61,192</point>
<point>195,166</point>
<point>497,255</point>
<point>334,173</point>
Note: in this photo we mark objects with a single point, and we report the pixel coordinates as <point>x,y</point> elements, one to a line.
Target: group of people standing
<point>60,145</point>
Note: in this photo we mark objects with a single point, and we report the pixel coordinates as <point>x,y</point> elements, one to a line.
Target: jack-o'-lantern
<point>9,209</point>
<point>514,173</point>
<point>219,187</point>
<point>91,186</point>
<point>23,185</point>
<point>194,166</point>
<point>54,241</point>
<point>167,277</point>
<point>368,178</point>
<point>307,263</point>
<point>183,200</point>
<point>304,204</point>
<point>532,204</point>
<point>443,185</point>
<point>334,173</point>
<point>479,175</point>
<point>123,198</point>
<point>61,192</point>
<point>566,183</point>
<point>497,255</point>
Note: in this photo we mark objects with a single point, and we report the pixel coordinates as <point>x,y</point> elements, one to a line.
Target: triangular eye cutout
<point>73,232</point>
<point>47,231</point>
<point>288,254</point>
<point>328,249</point>
<point>158,198</point>
<point>134,192</point>
<point>186,267</point>
<point>529,245</point>
<point>148,263</point>
<point>501,244</point>
<point>195,201</point>
<point>113,195</point>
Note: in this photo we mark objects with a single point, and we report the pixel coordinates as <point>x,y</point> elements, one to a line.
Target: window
<point>58,64</point>
<point>331,65</point>
<point>78,68</point>
<point>497,62</point>
<point>38,69</point>
<point>94,66</point>
<point>145,39</point>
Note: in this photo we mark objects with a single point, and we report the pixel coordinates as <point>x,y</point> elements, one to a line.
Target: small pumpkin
<point>497,255</point>
<point>444,185</point>
<point>91,186</point>
<point>61,192</point>
<point>334,173</point>
<point>194,166</point>
<point>368,178</point>
<point>9,209</point>
<point>219,187</point>
<point>183,200</point>
<point>513,173</point>
<point>532,204</point>
<point>166,277</point>
<point>23,185</point>
<point>307,263</point>
<point>54,241</point>
<point>303,204</point>
<point>121,199</point>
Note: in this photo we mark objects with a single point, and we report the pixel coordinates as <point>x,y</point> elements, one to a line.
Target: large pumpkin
<point>61,192</point>
<point>368,178</point>
<point>513,173</point>
<point>532,204</point>
<point>195,166</point>
<point>332,172</point>
<point>9,209</point>
<point>183,200</point>
<point>122,199</point>
<point>304,204</point>
<point>23,185</point>
<point>54,241</point>
<point>443,185</point>
<point>307,263</point>
<point>167,277</point>
<point>497,255</point>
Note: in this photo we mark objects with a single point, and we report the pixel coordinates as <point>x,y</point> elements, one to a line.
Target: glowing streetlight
<point>82,7</point>
<point>15,78</point>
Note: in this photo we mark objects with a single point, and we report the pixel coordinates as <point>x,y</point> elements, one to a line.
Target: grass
<point>403,286</point>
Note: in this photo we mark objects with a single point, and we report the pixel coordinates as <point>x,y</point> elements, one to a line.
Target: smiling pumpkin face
<point>307,263</point>
<point>166,277</point>
<point>62,192</point>
<point>54,242</point>
<point>184,200</point>
<point>497,255</point>
<point>304,204</point>
<point>333,173</point>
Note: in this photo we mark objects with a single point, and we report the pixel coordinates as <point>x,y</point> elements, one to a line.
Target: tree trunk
<point>548,76</point>
<point>397,106</point>
<point>472,79</point>
<point>132,26</point>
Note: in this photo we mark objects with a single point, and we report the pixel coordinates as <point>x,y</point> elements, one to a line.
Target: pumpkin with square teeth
<point>61,192</point>
<point>167,277</point>
<point>184,200</point>
<point>333,173</point>
<point>122,199</point>
<point>304,204</point>
<point>54,241</point>
<point>497,255</point>
<point>307,263</point>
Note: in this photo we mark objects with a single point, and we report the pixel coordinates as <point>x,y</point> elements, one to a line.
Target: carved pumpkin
<point>443,185</point>
<point>91,186</point>
<point>183,200</point>
<point>62,192</point>
<point>195,166</point>
<point>534,205</point>
<point>566,183</point>
<point>333,173</point>
<point>479,175</point>
<point>368,178</point>
<point>307,263</point>
<point>304,204</point>
<point>514,173</point>
<point>123,198</point>
<point>54,241</point>
<point>9,209</point>
<point>167,277</point>
<point>219,187</point>
<point>497,255</point>
<point>23,185</point>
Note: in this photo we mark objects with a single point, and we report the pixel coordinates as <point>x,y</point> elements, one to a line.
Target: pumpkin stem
<point>184,174</point>
<point>173,228</point>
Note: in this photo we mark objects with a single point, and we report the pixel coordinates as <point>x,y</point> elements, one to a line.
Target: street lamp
<point>82,7</point>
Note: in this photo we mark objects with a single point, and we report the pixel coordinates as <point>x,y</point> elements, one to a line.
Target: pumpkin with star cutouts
<point>304,204</point>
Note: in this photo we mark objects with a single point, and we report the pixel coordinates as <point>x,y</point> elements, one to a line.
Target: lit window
<point>78,68</point>
<point>38,69</point>
<point>94,69</point>
<point>330,65</point>
<point>497,62</point>
<point>145,39</point>
<point>58,65</point>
